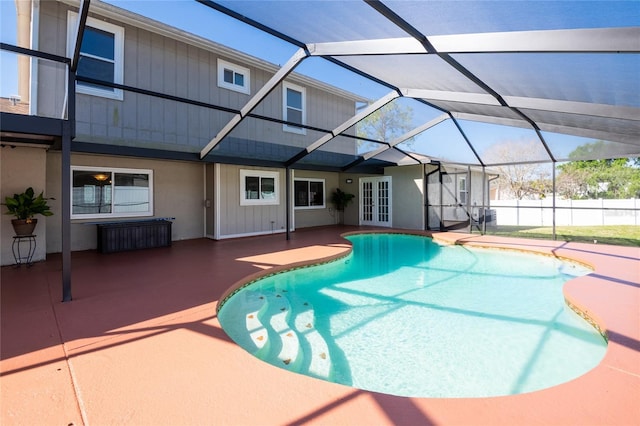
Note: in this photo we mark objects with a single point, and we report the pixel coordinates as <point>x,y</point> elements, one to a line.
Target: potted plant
<point>341,199</point>
<point>24,207</point>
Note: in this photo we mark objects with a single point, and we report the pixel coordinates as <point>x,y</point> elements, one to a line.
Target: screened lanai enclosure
<point>490,96</point>
<point>522,113</point>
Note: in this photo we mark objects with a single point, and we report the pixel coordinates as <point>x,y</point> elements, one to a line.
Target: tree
<point>608,178</point>
<point>386,124</point>
<point>521,180</point>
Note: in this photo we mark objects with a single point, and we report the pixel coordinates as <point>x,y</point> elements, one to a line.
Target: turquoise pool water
<point>406,316</point>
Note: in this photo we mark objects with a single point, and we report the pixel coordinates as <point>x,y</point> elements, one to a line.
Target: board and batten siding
<point>162,64</point>
<point>236,220</point>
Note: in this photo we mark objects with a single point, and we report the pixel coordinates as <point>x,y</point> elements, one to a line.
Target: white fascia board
<point>574,40</point>
<point>441,95</point>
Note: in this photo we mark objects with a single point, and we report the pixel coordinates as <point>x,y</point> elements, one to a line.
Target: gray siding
<point>236,220</point>
<point>161,64</point>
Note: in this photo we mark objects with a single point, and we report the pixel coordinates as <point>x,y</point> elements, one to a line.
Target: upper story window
<point>293,108</point>
<point>101,55</point>
<point>103,192</point>
<point>309,193</point>
<point>259,187</point>
<point>234,77</point>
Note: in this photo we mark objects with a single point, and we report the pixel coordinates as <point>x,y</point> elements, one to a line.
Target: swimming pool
<point>406,316</point>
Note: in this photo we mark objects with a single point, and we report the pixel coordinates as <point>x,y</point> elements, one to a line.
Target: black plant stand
<point>19,254</point>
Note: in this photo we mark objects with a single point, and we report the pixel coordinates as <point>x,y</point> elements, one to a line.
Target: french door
<point>375,201</point>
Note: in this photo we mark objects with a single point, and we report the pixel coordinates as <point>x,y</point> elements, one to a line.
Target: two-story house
<point>138,140</point>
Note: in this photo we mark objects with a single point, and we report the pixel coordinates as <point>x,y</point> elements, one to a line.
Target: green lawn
<point>621,235</point>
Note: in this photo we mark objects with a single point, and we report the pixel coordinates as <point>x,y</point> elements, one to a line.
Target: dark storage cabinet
<point>123,236</point>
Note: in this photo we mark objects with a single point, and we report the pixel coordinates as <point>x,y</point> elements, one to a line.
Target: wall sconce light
<point>349,180</point>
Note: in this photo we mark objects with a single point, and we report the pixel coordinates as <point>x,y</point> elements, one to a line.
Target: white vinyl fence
<point>568,212</point>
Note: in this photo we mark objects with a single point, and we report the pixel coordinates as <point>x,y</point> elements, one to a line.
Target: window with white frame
<point>308,193</point>
<point>462,189</point>
<point>234,77</point>
<point>103,192</point>
<point>101,55</point>
<point>293,108</point>
<point>259,187</point>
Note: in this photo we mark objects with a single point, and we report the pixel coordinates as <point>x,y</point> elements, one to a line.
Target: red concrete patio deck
<point>140,344</point>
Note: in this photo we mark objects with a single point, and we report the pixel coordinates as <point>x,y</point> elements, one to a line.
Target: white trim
<point>118,54</point>
<point>292,207</point>
<point>324,193</point>
<point>113,215</point>
<point>237,69</point>
<point>285,106</point>
<point>204,199</point>
<point>216,198</point>
<point>251,234</point>
<point>375,180</point>
<point>275,201</point>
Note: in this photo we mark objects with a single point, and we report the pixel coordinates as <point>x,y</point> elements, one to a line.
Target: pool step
<point>274,335</point>
<point>284,348</point>
<point>317,359</point>
<point>256,336</point>
<point>257,332</point>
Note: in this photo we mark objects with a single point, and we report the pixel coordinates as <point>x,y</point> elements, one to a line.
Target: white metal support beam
<point>282,73</point>
<point>344,126</point>
<point>407,136</point>
<point>595,40</point>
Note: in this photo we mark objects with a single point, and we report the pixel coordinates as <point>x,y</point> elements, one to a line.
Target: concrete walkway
<point>140,344</point>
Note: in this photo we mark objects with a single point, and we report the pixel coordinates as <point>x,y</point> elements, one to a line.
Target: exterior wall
<point>178,191</point>
<point>408,196</point>
<point>318,217</point>
<point>19,169</point>
<point>236,220</point>
<point>165,65</point>
<point>351,213</point>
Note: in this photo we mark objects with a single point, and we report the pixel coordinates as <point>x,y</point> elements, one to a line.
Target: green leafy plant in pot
<point>341,200</point>
<point>24,207</point>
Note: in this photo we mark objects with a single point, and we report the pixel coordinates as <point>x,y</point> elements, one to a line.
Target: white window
<point>102,192</point>
<point>308,193</point>
<point>462,189</point>
<point>293,108</point>
<point>101,55</point>
<point>234,77</point>
<point>259,187</point>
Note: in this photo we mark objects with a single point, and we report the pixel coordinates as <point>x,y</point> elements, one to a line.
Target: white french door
<point>375,201</point>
